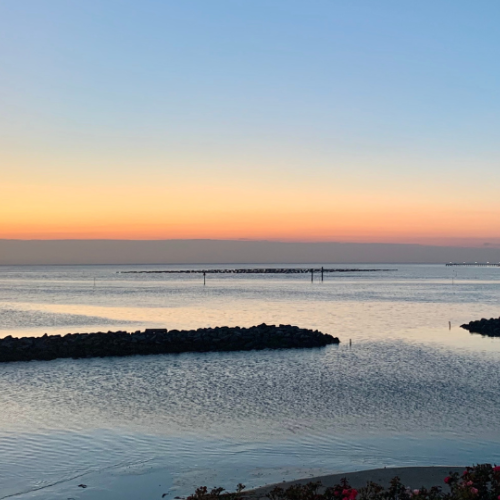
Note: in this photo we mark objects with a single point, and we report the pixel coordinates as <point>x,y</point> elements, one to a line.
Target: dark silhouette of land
<point>19,252</point>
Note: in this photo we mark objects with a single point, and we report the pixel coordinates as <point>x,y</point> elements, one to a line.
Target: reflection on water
<point>408,391</point>
<point>260,395</point>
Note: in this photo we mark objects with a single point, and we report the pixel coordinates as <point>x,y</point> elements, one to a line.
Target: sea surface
<point>406,386</point>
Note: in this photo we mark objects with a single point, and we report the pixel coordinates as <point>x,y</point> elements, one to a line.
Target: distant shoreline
<point>230,252</point>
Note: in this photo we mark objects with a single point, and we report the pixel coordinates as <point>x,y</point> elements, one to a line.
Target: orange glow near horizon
<point>189,202</point>
<point>191,120</point>
<point>231,212</point>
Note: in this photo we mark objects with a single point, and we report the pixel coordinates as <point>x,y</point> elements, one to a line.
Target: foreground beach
<point>151,484</point>
<point>413,477</point>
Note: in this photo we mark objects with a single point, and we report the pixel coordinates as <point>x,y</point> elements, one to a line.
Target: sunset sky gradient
<point>288,120</point>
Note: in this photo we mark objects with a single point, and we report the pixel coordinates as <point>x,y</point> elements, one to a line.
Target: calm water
<point>410,390</point>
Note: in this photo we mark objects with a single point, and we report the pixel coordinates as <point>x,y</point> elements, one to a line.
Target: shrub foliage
<point>480,482</point>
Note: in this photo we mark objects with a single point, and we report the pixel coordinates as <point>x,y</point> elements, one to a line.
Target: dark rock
<point>160,341</point>
<point>154,330</point>
<point>487,327</point>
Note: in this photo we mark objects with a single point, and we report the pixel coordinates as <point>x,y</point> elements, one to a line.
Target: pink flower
<point>496,469</point>
<point>473,491</point>
<point>416,492</point>
<point>447,479</point>
<point>353,494</point>
<point>465,472</point>
<point>469,483</point>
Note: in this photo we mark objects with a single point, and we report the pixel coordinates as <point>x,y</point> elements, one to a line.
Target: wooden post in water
<point>322,274</point>
<point>312,274</point>
<point>204,278</point>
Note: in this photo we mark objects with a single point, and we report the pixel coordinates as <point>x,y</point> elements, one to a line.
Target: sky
<point>350,121</point>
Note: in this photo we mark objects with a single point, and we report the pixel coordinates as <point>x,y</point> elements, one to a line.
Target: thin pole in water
<point>321,273</point>
<point>312,274</point>
<point>204,278</point>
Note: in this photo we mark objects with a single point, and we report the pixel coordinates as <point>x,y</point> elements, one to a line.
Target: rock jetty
<point>489,327</point>
<point>161,341</point>
<point>258,270</point>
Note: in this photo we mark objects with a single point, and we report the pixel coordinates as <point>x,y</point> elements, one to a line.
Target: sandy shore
<point>414,477</point>
<point>146,482</point>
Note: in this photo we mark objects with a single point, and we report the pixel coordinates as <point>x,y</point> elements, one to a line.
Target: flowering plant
<point>481,482</point>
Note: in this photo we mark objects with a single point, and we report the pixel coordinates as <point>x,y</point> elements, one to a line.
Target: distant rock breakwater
<point>258,270</point>
<point>489,327</point>
<point>161,341</point>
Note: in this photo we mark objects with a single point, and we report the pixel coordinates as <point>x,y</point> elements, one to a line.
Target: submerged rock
<point>489,327</point>
<point>161,341</point>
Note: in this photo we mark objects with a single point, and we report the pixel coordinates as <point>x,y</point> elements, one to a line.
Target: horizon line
<point>458,244</point>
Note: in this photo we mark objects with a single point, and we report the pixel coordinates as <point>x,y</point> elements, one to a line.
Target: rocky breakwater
<point>160,341</point>
<point>489,327</point>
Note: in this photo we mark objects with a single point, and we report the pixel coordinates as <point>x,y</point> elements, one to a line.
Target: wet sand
<point>413,477</point>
